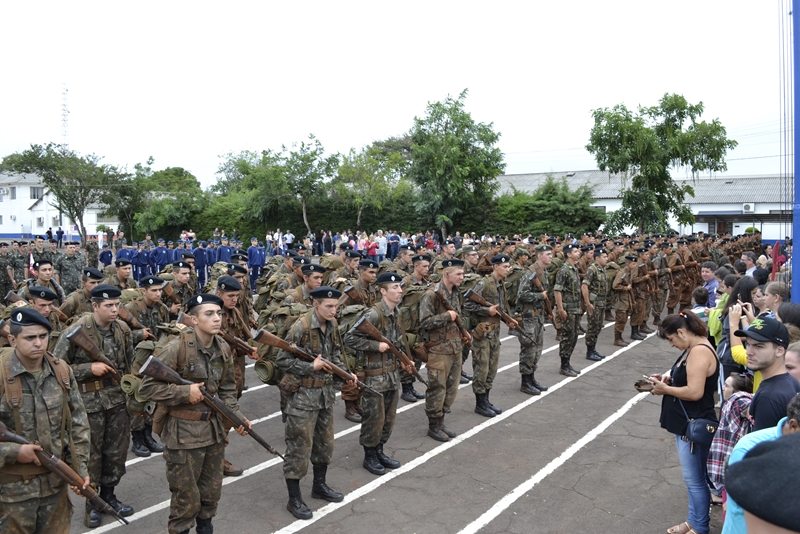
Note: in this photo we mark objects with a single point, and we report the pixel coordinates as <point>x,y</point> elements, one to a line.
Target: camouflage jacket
<point>113,280</point>
<point>435,318</point>
<point>70,270</point>
<point>77,303</point>
<point>597,280</point>
<point>495,293</point>
<point>568,283</point>
<point>528,294</point>
<point>367,348</point>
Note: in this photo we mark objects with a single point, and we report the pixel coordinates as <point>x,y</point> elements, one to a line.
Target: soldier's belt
<point>309,382</point>
<point>12,473</point>
<point>95,385</point>
<point>382,370</point>
<point>191,415</point>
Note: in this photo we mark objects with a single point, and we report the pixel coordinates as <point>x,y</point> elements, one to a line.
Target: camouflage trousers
<point>309,436</point>
<point>595,322</point>
<point>111,437</point>
<point>444,376</point>
<point>377,422</point>
<point>638,313</point>
<point>529,353</point>
<point>139,416</point>
<point>5,287</point>
<point>195,480</point>
<point>49,515</point>
<point>238,374</point>
<point>485,355</point>
<point>659,300</point>
<point>569,334</point>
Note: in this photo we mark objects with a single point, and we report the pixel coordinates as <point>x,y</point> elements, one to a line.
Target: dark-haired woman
<point>689,386</point>
<point>742,294</point>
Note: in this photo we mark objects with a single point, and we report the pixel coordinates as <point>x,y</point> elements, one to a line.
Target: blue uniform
<point>140,262</point>
<point>159,258</point>
<point>200,265</point>
<point>105,257</point>
<point>255,261</point>
<point>224,253</point>
<point>125,253</point>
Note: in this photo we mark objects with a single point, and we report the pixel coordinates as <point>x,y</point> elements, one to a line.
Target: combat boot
<point>635,335</point>
<point>406,395</point>
<point>481,406</point>
<point>371,462</point>
<point>657,321</point>
<point>137,444</point>
<point>527,387</point>
<point>594,349</point>
<point>644,329</point>
<point>467,375</point>
<point>296,505</point>
<point>107,494</point>
<point>149,442</point>
<point>463,378</point>
<point>618,341</point>
<point>590,354</point>
<point>350,412</point>
<point>204,526</point>
<point>416,393</point>
<point>491,406</point>
<point>320,489</point>
<point>566,369</point>
<point>435,431</point>
<point>385,461</point>
<point>92,518</point>
<point>450,434</point>
<point>536,384</point>
<point>230,470</point>
<point>577,372</point>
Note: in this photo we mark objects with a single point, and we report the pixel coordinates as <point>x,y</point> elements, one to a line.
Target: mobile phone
<point>650,378</point>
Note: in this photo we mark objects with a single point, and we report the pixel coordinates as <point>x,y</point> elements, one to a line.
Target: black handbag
<point>699,430</point>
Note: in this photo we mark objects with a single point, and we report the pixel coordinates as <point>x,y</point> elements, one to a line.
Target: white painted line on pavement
<point>526,486</point>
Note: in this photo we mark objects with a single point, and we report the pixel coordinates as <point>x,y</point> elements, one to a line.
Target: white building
<point>720,204</point>
<point>27,209</point>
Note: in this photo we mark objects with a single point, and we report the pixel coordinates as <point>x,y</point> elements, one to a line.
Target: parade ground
<point>586,456</point>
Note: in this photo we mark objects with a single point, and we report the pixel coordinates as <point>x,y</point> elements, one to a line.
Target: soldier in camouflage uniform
<point>19,264</point>
<point>181,274</point>
<point>341,278</point>
<point>309,423</point>
<point>418,278</point>
<point>43,278</point>
<point>660,264</point>
<point>486,333</point>
<point>104,400</point>
<point>6,270</point>
<point>39,251</point>
<point>471,257</point>
<point>122,278</point>
<point>444,348</point>
<point>68,268</point>
<point>595,289</point>
<point>92,251</point>
<point>531,296</point>
<point>194,438</point>
<point>402,263</point>
<point>80,301</point>
<point>41,299</point>
<point>31,498</point>
<point>380,369</point>
<point>567,293</point>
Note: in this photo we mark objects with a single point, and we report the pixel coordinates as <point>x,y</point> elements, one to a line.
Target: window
<point>36,192</point>
<point>40,222</point>
<point>12,193</point>
<point>56,221</point>
<point>1,219</point>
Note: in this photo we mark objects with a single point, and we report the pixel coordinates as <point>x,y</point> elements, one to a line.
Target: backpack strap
<point>13,391</point>
<point>61,371</point>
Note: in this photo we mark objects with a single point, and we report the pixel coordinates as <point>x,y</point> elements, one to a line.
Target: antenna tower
<point>64,117</point>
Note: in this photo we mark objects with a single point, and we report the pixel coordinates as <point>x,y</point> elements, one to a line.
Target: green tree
<point>129,197</point>
<point>644,147</point>
<point>173,199</point>
<point>454,162</point>
<point>77,182</point>
<point>307,169</point>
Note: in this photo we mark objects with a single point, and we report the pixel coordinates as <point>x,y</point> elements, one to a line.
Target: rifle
<point>465,337</point>
<point>476,298</point>
<point>365,327</point>
<point>4,328</point>
<point>268,338</point>
<point>156,369</point>
<point>13,298</point>
<point>236,343</point>
<point>63,471</point>
<point>81,339</point>
<point>354,295</point>
<point>129,318</point>
<point>548,306</point>
<point>169,291</point>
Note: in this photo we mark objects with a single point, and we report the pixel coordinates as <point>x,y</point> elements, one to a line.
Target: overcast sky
<point>187,82</point>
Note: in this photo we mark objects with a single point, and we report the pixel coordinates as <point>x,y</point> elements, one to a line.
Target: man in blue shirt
<point>254,261</point>
<point>224,251</point>
<point>707,273</point>
<point>106,256</point>
<point>159,256</point>
<point>200,263</point>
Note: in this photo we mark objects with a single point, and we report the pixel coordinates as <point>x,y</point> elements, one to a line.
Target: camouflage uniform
<point>92,254</point>
<point>184,293</point>
<point>52,284</point>
<point>20,266</point>
<point>43,255</point>
<point>70,270</point>
<point>113,280</point>
<point>661,264</point>
<point>531,298</point>
<point>368,299</point>
<point>233,323</point>
<point>6,262</point>
<point>195,449</point>
<point>486,333</point>
<point>103,398</point>
<point>596,279</point>
<point>381,372</point>
<point>309,411</point>
<point>568,284</point>
<point>41,503</point>
<point>77,303</point>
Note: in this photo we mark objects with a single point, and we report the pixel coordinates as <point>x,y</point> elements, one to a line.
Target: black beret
<point>3,244</point>
<point>291,253</point>
<point>349,253</point>
<point>312,268</point>
<point>122,262</point>
<point>631,258</point>
<point>500,258</point>
<point>236,268</point>
<point>325,292</point>
<point>40,292</point>
<point>181,265</point>
<point>300,260</point>
<point>453,262</point>
<point>92,273</point>
<point>599,252</point>
<point>448,242</point>
<point>641,250</point>
<point>682,242</point>
<point>187,255</point>
<point>367,264</point>
<point>106,292</point>
<point>228,283</point>
<point>149,281</point>
<point>41,263</point>
<point>587,248</point>
<point>666,244</point>
<point>345,246</point>
<point>420,257</point>
<point>388,278</point>
<point>207,298</point>
<point>29,317</point>
<point>405,247</point>
<point>300,246</point>
<point>570,247</point>
<point>239,257</point>
<point>496,244</point>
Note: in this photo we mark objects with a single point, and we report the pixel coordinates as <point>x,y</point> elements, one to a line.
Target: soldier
<point>118,242</point>
<point>568,303</point>
<point>32,499</point>
<point>68,268</point>
<point>43,277</point>
<point>485,264</point>
<point>470,255</point>
<point>420,275</point>
<point>623,298</point>
<point>245,304</point>
<point>80,301</point>
<point>6,270</point>
<point>402,263</point>
<point>41,299</point>
<point>39,252</point>
<point>309,422</point>
<point>151,312</point>
<point>595,289</point>
<point>121,279</point>
<point>381,372</point>
<point>660,263</point>
<point>104,400</point>
<point>92,251</point>
<point>532,296</point>
<point>188,258</point>
<point>193,435</point>
<point>418,278</point>
<point>448,252</point>
<point>19,263</point>
<point>312,275</point>
<point>438,314</point>
<point>181,273</point>
<point>349,272</point>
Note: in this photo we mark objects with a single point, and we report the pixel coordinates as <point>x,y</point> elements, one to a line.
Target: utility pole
<point>64,117</point>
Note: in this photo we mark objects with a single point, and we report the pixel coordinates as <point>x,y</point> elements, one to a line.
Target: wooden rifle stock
<point>4,328</point>
<point>476,298</point>
<point>268,338</point>
<point>365,327</point>
<point>63,471</point>
<point>169,291</point>
<point>236,343</point>
<point>129,318</point>
<point>13,298</point>
<point>548,306</point>
<point>465,337</point>
<point>354,295</point>
<point>81,339</point>
<point>156,369</point>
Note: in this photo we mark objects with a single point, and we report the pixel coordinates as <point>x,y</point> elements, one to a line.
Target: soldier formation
<point>90,353</point>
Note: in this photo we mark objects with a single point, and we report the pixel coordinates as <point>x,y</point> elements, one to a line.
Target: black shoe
<point>481,407</point>
<point>443,428</point>
<point>137,444</point>
<point>296,505</point>
<point>527,387</point>
<point>435,431</point>
<point>92,518</point>
<point>245,387</point>
<point>463,380</point>
<point>491,406</point>
<point>107,494</point>
<point>406,395</point>
<point>467,376</point>
<point>591,354</point>
<point>371,462</point>
<point>204,526</point>
<point>445,409</point>
<point>576,371</point>
<point>635,335</point>
<point>601,356</point>
<point>417,394</point>
<point>536,384</point>
<point>566,369</point>
<point>149,442</point>
<point>385,461</point>
<point>320,489</point>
